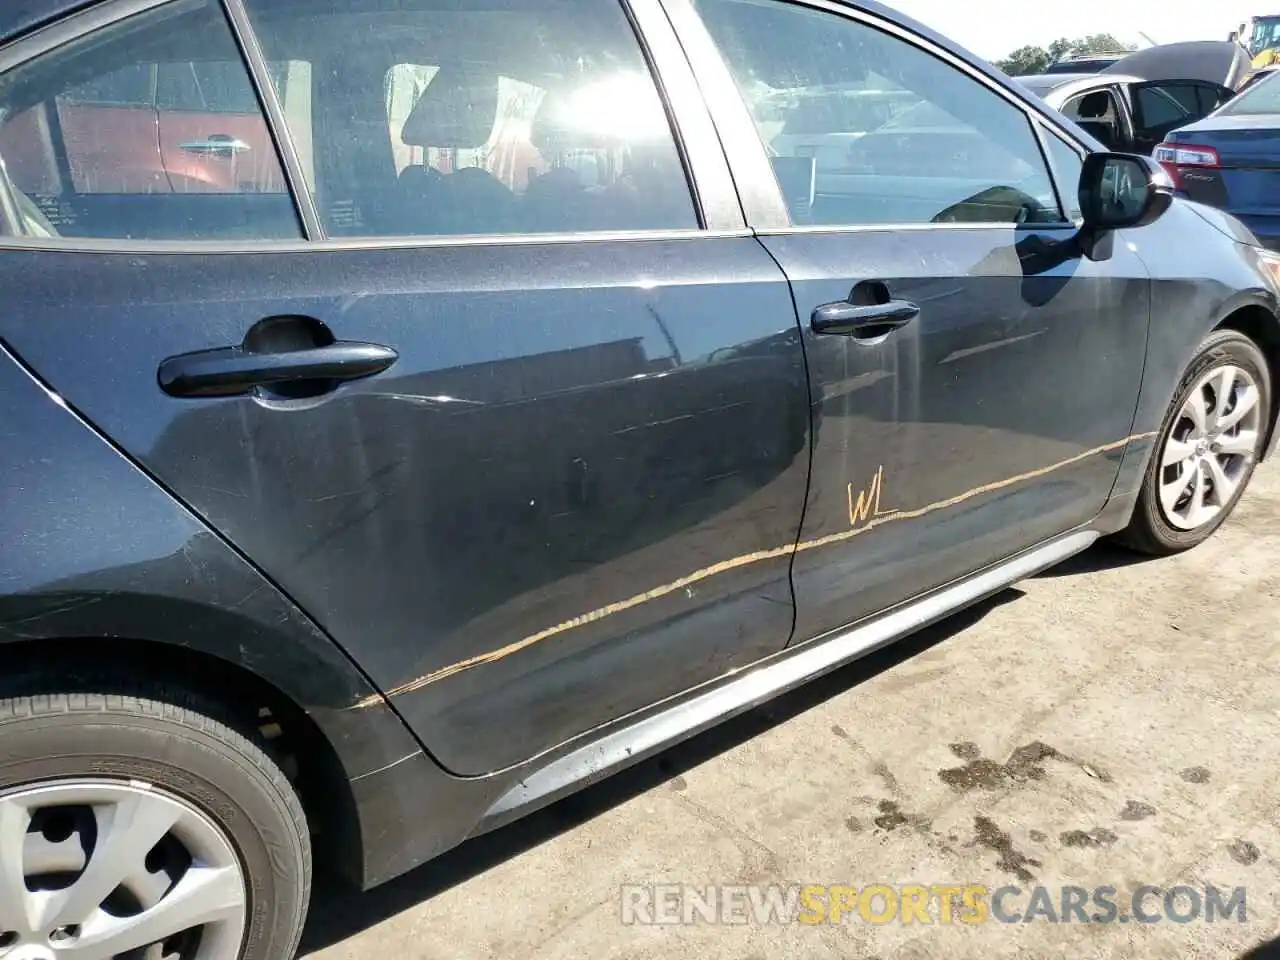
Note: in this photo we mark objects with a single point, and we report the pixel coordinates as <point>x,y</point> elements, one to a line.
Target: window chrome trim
<point>1063,226</point>
<point>757,188</point>
<point>339,244</point>
<point>246,39</point>
<point>706,168</point>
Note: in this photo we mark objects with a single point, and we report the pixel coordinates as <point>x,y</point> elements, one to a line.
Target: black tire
<point>1148,531</point>
<point>188,747</point>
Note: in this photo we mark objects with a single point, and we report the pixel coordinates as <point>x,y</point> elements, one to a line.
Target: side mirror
<point>1122,190</point>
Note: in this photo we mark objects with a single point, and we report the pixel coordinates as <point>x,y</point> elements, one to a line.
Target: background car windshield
<point>1264,97</point>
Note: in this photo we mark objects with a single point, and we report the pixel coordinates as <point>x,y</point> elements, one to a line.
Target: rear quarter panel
<point>96,552</point>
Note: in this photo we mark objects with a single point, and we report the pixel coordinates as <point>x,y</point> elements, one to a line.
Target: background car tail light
<point>1175,157</point>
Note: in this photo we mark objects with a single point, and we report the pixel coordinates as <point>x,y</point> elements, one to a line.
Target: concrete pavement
<point>1113,722</point>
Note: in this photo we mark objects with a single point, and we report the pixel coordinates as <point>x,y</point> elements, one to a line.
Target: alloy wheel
<point>97,869</point>
<point>1210,447</point>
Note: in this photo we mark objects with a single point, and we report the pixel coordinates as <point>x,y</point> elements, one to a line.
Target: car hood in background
<point>1212,61</point>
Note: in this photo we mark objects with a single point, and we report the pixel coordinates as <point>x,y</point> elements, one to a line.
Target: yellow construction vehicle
<point>1261,35</point>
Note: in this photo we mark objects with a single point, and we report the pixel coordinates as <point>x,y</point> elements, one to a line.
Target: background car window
<point>1165,106</point>
<point>1211,98</point>
<point>1068,165</point>
<point>105,141</point>
<point>479,117</point>
<point>865,128</point>
<point>1098,113</point>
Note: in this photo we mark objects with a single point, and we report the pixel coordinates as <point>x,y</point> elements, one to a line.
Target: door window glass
<point>479,117</point>
<point>865,128</point>
<point>1211,98</point>
<point>1099,114</point>
<point>148,128</point>
<point>1161,107</point>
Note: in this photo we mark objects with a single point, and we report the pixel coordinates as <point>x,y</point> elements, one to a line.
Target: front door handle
<point>862,321</point>
<point>229,371</point>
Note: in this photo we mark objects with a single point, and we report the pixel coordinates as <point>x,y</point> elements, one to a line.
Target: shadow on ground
<point>1104,555</point>
<point>338,913</point>
<point>1263,951</point>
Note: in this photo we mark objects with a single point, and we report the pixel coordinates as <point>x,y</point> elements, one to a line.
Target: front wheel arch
<point>1261,325</point>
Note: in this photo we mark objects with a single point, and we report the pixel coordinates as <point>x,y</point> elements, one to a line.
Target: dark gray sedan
<point>414,410</point>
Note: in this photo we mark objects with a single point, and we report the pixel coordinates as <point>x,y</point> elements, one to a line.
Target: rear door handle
<point>228,371</point>
<point>863,322</point>
<point>215,145</point>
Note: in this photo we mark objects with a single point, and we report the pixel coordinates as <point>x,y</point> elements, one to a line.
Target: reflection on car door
<point>977,381</point>
<point>576,489</point>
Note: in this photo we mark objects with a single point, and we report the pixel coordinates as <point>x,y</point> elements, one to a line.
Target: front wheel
<point>1207,448</point>
<point>136,827</point>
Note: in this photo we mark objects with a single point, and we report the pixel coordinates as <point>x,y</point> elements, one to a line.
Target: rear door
<point>974,378</point>
<point>530,443</point>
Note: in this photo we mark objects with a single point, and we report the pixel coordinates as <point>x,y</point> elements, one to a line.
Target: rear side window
<point>147,129</point>
<point>483,117</point>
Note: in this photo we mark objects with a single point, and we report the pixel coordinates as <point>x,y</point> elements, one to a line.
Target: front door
<point>974,380</point>
<point>534,478</point>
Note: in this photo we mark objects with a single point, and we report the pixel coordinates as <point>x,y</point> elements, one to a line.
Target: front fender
<point>1200,277</point>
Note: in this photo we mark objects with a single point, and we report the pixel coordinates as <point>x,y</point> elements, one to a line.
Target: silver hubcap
<point>1210,447</point>
<point>102,869</point>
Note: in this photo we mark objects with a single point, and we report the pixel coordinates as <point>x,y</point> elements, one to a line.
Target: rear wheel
<point>1208,447</point>
<point>144,828</point>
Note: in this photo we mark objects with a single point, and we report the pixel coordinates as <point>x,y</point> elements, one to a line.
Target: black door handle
<point>228,371</point>
<point>863,321</point>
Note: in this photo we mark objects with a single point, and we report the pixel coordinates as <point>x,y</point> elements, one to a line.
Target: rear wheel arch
<point>259,707</point>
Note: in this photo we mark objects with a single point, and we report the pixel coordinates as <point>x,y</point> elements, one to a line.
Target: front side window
<point>146,129</point>
<point>1068,165</point>
<point>865,128</point>
<point>450,117</point>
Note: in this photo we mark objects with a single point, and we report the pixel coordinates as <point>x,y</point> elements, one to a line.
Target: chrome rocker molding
<point>758,684</point>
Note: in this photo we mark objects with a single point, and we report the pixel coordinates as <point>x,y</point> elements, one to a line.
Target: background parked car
<point>1087,63</point>
<point>1131,104</point>
<point>1231,159</point>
